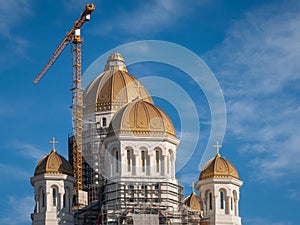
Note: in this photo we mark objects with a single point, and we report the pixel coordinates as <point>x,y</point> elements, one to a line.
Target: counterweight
<point>77,103</point>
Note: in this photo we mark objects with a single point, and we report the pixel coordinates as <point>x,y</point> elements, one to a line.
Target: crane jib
<point>69,36</point>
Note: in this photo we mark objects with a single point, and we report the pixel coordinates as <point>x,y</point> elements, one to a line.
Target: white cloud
<point>294,194</point>
<point>11,14</point>
<point>258,67</point>
<point>28,150</point>
<point>22,207</point>
<point>148,17</point>
<point>8,172</point>
<point>264,221</point>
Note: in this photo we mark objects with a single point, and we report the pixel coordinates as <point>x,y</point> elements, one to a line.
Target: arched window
<point>143,160</point>
<point>43,197</point>
<point>117,160</point>
<point>157,159</point>
<point>54,196</point>
<point>222,200</point>
<point>210,201</point>
<point>129,160</point>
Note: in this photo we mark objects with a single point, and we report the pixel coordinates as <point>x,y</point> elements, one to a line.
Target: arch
<point>40,199</point>
<point>143,160</point>
<point>129,161</point>
<point>224,199</point>
<point>54,196</point>
<point>208,201</point>
<point>171,162</point>
<point>114,160</point>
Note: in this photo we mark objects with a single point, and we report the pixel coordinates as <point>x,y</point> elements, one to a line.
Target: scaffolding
<point>127,202</point>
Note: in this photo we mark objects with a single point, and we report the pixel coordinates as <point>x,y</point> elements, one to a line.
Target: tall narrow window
<point>157,156</point>
<point>54,196</point>
<point>43,198</point>
<point>231,203</point>
<point>210,201</point>
<point>117,162</point>
<point>128,161</point>
<point>64,203</point>
<point>221,199</point>
<point>168,164</point>
<point>143,158</point>
<point>104,123</point>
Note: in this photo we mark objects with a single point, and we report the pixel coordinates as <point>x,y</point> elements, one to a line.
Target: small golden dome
<point>141,118</point>
<point>53,163</point>
<point>114,88</point>
<point>218,167</point>
<point>193,202</point>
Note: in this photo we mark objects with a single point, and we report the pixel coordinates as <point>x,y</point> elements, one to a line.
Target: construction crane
<point>77,102</point>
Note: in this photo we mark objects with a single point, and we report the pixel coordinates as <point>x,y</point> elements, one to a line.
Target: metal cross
<point>53,142</point>
<point>193,186</point>
<point>217,146</point>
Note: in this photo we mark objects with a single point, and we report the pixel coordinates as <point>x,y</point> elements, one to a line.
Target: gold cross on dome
<point>193,186</point>
<point>53,142</point>
<point>217,146</point>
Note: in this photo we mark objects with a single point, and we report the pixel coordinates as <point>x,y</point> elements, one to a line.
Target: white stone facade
<point>53,194</point>
<point>220,200</point>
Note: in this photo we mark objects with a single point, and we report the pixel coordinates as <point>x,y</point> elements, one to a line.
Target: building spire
<point>217,146</point>
<point>53,142</point>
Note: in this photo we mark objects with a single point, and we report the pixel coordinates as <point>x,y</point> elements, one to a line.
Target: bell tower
<point>53,184</point>
<point>219,186</point>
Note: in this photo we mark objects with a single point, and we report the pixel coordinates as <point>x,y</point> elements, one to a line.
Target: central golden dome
<point>114,88</point>
<point>218,167</point>
<point>141,118</point>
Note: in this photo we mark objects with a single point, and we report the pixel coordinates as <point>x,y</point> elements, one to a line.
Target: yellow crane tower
<point>77,103</point>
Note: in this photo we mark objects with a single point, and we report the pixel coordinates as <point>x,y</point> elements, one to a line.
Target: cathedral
<point>128,166</point>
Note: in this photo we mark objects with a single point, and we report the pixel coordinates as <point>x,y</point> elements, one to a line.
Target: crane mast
<point>77,99</point>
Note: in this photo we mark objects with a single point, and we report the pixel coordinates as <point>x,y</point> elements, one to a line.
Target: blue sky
<point>251,47</point>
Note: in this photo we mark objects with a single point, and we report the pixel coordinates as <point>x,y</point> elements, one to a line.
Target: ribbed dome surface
<point>53,163</point>
<point>218,167</point>
<point>114,88</point>
<point>141,118</point>
<point>193,202</point>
